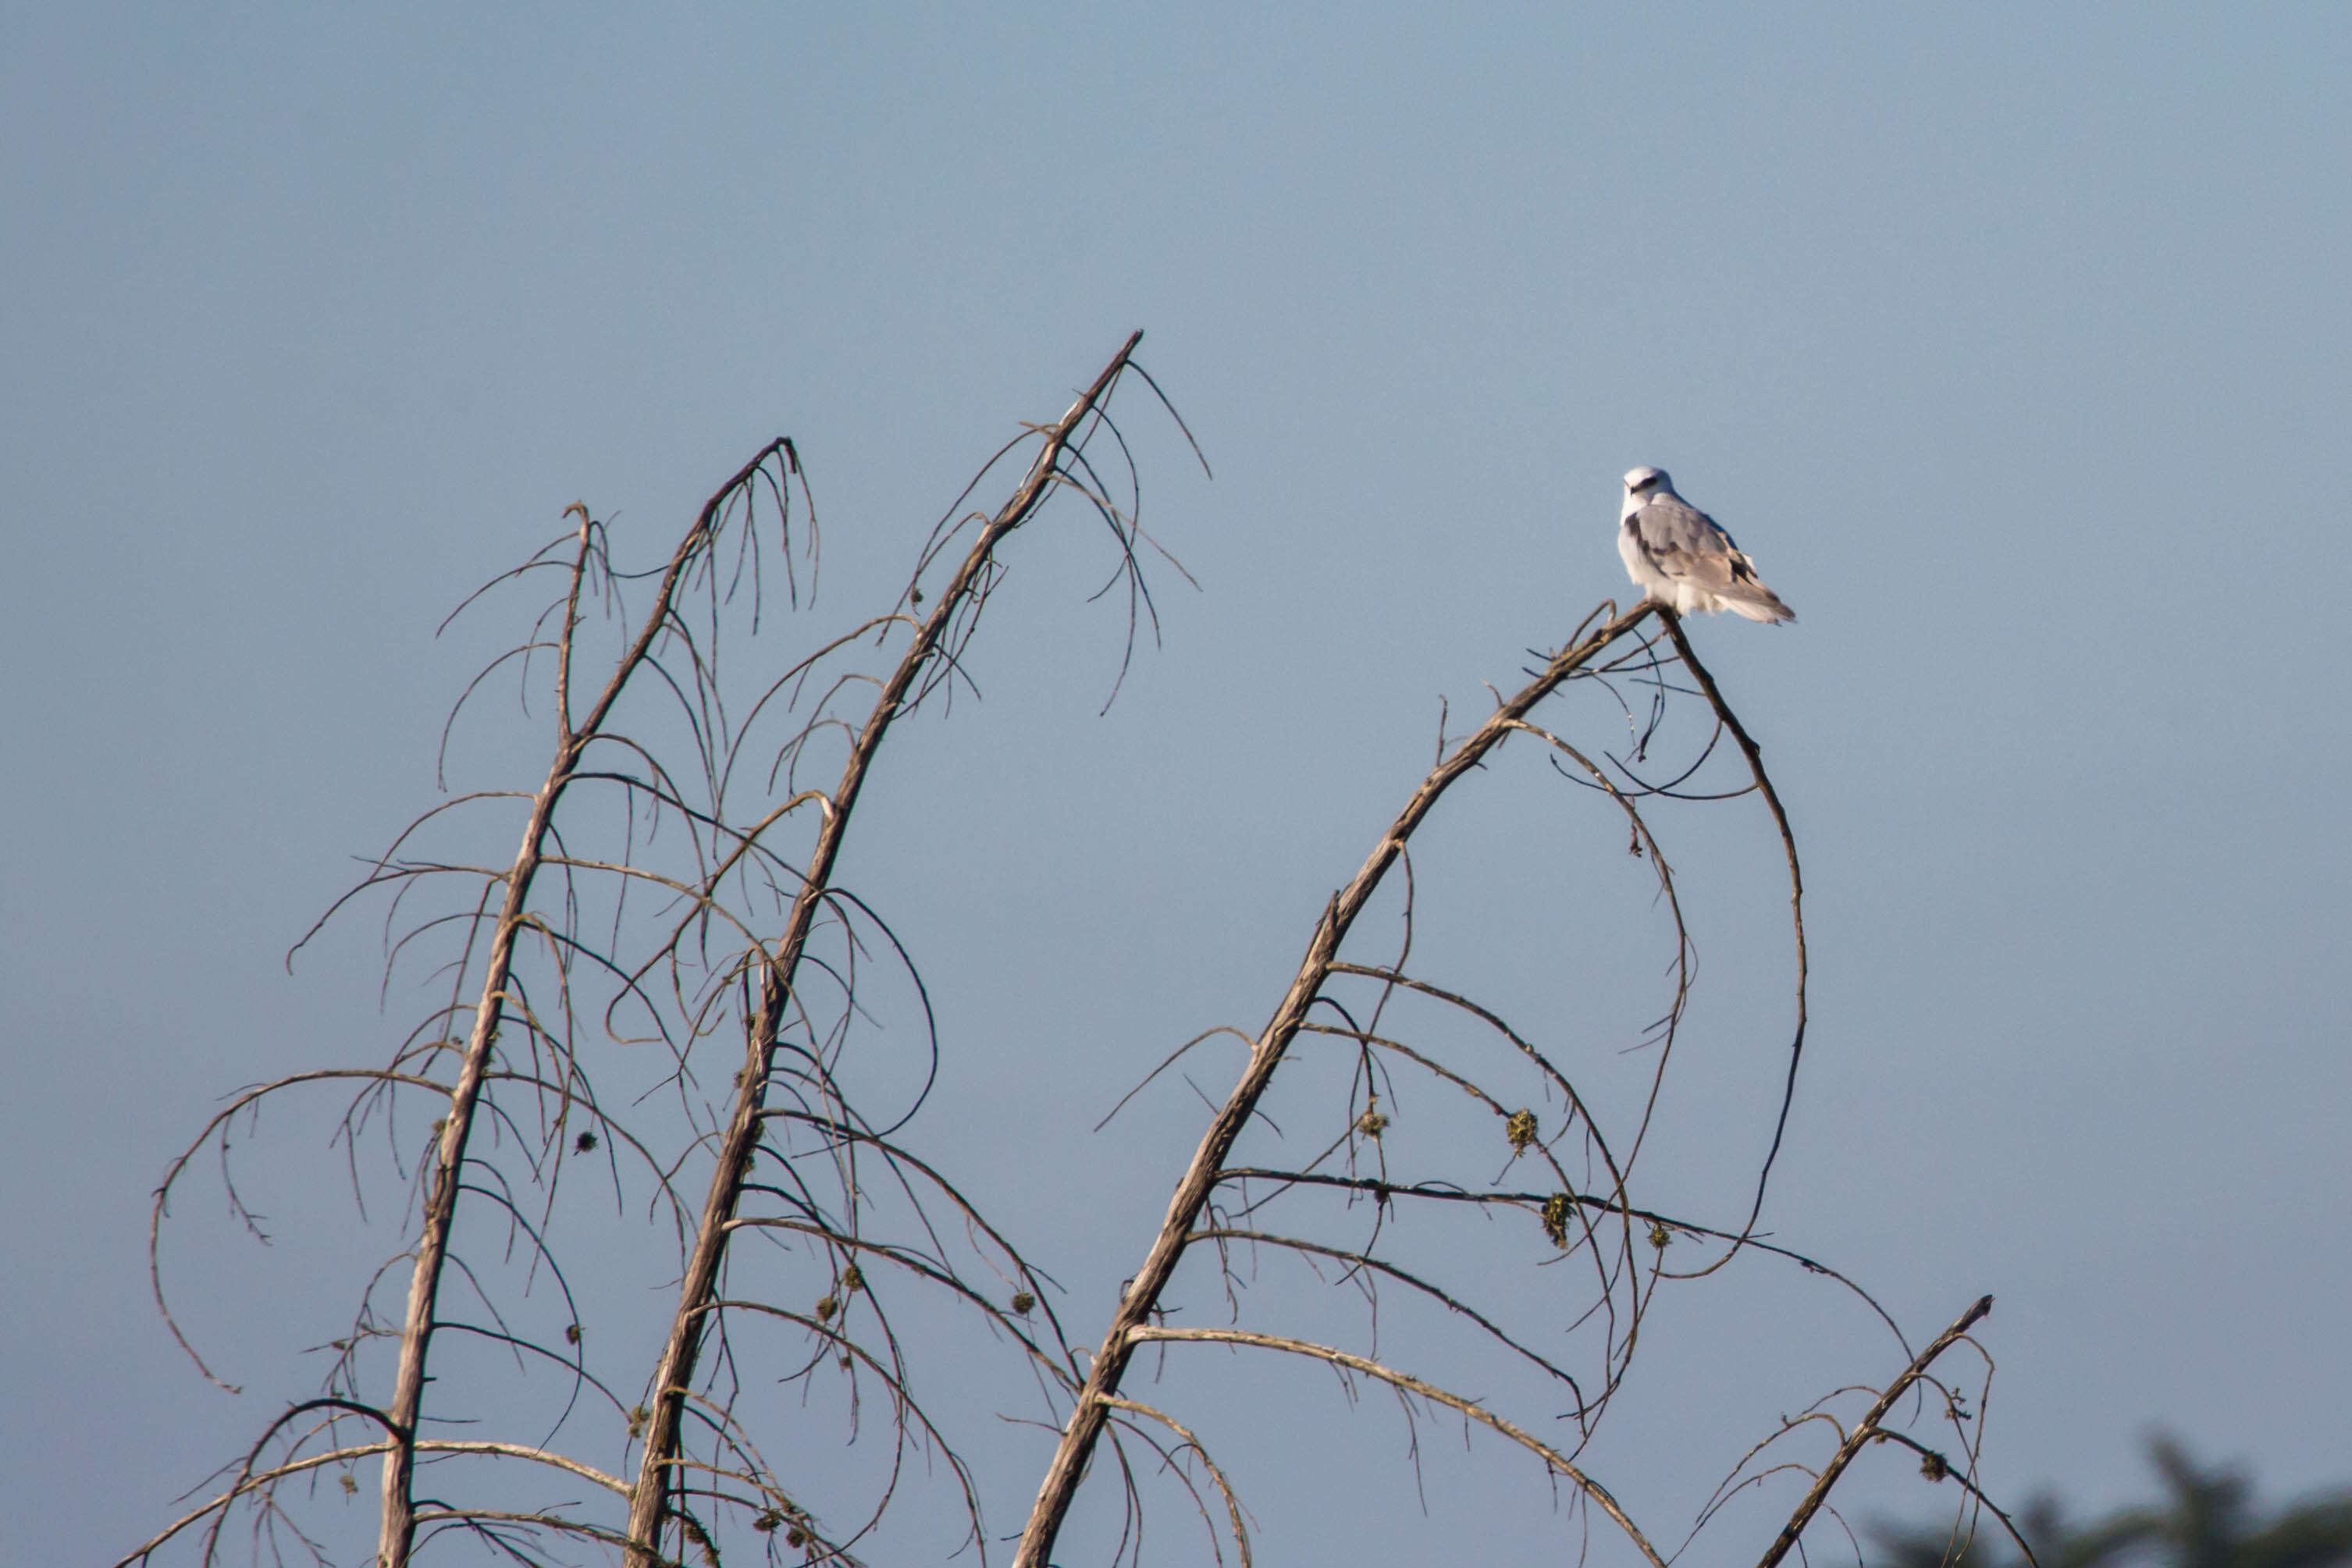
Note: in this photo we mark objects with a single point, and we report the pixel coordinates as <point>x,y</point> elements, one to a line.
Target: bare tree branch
<point>1225,1486</point>
<point>397,1532</point>
<point>649,1506</point>
<point>1559,1462</point>
<point>1754,756</point>
<point>1199,1177</point>
<point>1866,1429</point>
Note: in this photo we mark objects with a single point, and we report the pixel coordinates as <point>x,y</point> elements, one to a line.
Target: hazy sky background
<point>2013,342</point>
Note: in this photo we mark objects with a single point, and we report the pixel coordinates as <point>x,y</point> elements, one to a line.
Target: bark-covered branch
<point>934,642</point>
<point>1193,1188</point>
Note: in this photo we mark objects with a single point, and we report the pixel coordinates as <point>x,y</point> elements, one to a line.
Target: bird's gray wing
<point>1685,544</point>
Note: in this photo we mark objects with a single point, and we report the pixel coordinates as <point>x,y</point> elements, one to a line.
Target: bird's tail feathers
<point>1758,603</point>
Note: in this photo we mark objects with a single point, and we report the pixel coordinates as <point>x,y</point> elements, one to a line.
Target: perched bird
<point>1682,558</point>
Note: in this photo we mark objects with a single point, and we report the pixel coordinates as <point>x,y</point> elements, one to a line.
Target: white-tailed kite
<point>1682,556</point>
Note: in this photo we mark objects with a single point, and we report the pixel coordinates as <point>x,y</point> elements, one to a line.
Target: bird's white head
<point>1641,485</point>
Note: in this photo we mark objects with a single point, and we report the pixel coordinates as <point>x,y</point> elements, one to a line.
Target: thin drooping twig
<point>397,1530</point>
<point>1365,1263</point>
<point>1083,1429</point>
<point>1864,1431</point>
<point>220,1119</point>
<point>1224,1487</point>
<point>275,1473</point>
<point>1939,1463</point>
<point>1389,1191</point>
<point>1559,1462</point>
<point>649,1503</point>
<point>1754,756</point>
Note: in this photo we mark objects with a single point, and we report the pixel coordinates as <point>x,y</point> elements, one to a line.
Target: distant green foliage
<point>2206,1520</point>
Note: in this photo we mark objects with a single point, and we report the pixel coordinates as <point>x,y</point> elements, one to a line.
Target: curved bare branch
<point>1559,1462</point>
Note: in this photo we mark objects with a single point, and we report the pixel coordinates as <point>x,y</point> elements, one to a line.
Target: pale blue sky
<point>2012,341</point>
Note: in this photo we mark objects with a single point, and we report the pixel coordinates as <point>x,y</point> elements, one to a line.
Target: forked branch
<point>1867,1429</point>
